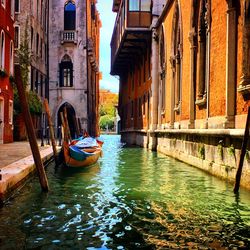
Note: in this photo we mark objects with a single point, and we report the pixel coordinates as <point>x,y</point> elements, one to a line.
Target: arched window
<point>70,16</point>
<point>66,72</point>
<point>3,2</point>
<point>176,57</point>
<point>11,57</point>
<point>203,51</point>
<point>245,78</point>
<point>2,50</point>
<point>162,70</point>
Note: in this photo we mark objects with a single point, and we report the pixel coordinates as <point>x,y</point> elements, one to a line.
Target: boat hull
<point>71,162</point>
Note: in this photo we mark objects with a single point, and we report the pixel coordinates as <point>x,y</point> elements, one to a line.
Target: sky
<point>108,18</point>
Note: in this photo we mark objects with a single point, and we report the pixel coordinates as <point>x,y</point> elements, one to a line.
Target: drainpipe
<point>155,84</point>
<point>87,69</point>
<point>47,78</point>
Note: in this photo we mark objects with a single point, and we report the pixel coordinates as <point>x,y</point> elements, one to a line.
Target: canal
<point>131,199</point>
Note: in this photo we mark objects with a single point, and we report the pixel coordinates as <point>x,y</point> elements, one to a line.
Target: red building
<point>6,70</point>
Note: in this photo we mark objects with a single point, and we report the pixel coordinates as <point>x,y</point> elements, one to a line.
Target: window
<point>11,58</point>
<point>41,48</point>
<point>41,13</point>
<point>162,70</point>
<point>70,16</point>
<point>17,6</point>
<point>41,83</point>
<point>176,57</point>
<point>145,5</point>
<point>132,109</point>
<point>133,80</point>
<point>37,9</point>
<point>66,72</point>
<point>36,82</point>
<point>144,104</point>
<point>203,53</point>
<point>3,2</point>
<point>37,44</point>
<point>32,79</point>
<point>10,112</point>
<point>139,107</point>
<point>16,39</point>
<point>12,8</point>
<point>2,50</point>
<point>139,5</point>
<point>134,5</point>
<point>31,38</point>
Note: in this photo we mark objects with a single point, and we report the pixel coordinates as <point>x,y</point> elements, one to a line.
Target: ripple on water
<point>131,199</point>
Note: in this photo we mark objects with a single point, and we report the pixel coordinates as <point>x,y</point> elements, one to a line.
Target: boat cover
<point>87,142</point>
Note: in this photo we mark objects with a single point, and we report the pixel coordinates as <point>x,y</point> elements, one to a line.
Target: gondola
<point>76,157</point>
<point>81,152</point>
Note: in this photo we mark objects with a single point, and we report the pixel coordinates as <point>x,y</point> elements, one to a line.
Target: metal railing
<point>44,135</point>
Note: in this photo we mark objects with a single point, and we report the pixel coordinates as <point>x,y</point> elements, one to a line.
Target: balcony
<point>68,36</point>
<point>131,34</point>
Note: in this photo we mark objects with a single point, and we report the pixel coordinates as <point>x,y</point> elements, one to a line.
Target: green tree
<point>23,53</point>
<point>106,121</point>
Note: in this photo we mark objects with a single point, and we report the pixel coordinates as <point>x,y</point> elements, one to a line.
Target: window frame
<point>3,3</point>
<point>17,11</point>
<point>139,9</point>
<point>66,65</point>
<point>2,50</point>
<point>11,66</point>
<point>66,24</point>
<point>17,38</point>
<point>11,106</point>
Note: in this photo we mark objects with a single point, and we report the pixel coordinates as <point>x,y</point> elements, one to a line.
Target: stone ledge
<point>15,173</point>
<point>210,132</point>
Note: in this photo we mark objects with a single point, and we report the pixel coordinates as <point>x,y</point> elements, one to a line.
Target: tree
<point>106,121</point>
<point>23,53</point>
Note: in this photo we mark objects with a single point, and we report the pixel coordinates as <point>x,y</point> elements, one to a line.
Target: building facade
<point>31,25</point>
<point>6,70</point>
<point>74,63</point>
<point>198,94</point>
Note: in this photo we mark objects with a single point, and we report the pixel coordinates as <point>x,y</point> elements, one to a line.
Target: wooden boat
<point>75,157</point>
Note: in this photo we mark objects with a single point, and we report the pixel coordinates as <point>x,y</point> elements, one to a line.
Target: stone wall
<point>76,95</point>
<point>214,151</point>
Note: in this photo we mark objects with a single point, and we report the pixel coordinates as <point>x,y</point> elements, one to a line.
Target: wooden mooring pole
<point>52,134</point>
<point>67,129</point>
<point>76,126</point>
<point>30,130</point>
<point>80,126</point>
<point>242,154</point>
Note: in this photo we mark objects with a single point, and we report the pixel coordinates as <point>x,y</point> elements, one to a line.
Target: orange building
<point>93,47</point>
<point>130,59</point>
<point>107,97</point>
<point>6,70</point>
<point>198,84</point>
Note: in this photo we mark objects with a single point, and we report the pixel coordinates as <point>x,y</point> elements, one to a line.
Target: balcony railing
<point>69,36</point>
<point>129,26</point>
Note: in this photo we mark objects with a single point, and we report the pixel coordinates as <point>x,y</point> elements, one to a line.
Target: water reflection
<point>131,199</point>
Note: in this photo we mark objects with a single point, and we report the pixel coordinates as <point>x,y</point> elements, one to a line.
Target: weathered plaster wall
<point>76,95</point>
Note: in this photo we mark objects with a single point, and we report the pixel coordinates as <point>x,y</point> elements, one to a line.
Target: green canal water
<point>131,199</point>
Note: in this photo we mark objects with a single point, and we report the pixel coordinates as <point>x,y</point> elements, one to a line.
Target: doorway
<point>71,114</point>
